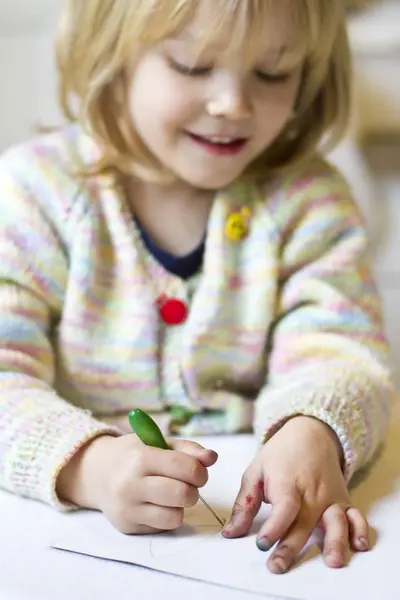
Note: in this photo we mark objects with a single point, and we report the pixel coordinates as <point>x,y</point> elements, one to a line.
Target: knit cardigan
<point>284,321</point>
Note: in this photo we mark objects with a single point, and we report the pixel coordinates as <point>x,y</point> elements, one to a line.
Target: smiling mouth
<point>219,144</point>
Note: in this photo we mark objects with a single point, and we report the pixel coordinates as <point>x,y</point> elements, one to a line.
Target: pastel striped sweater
<point>285,322</point>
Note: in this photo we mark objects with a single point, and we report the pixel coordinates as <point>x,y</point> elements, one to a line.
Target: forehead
<point>248,28</point>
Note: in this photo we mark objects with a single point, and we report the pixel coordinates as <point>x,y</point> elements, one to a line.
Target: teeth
<point>221,140</point>
<point>217,139</point>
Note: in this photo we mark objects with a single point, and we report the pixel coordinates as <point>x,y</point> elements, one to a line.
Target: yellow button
<point>236,227</point>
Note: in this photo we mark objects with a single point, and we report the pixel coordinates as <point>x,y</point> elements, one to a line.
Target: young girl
<point>180,246</point>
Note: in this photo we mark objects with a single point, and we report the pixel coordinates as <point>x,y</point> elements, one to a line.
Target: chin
<point>210,183</point>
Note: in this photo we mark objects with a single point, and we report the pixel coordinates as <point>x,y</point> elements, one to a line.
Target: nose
<point>229,99</point>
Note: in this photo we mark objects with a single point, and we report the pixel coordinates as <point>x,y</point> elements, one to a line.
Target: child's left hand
<point>298,471</point>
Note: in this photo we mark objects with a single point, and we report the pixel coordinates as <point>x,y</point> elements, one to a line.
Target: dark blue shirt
<point>182,266</point>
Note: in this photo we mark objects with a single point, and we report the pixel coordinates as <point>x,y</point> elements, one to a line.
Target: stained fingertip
<point>264,544</point>
<point>282,559</point>
<point>237,529</point>
<point>245,508</point>
<point>277,566</point>
<point>281,519</point>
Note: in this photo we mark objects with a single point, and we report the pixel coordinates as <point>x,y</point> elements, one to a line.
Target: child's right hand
<point>139,489</point>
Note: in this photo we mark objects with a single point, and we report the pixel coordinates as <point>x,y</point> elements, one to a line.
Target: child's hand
<point>139,489</point>
<point>298,472</point>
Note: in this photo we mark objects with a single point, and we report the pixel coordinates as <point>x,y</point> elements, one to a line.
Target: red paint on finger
<point>260,486</point>
<point>249,499</point>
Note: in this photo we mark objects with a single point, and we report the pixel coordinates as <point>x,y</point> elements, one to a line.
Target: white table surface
<point>31,570</point>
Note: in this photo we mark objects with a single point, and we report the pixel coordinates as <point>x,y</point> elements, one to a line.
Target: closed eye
<point>188,70</point>
<point>206,70</point>
<point>273,77</point>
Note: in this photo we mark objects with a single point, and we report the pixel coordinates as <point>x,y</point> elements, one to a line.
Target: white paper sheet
<point>198,551</point>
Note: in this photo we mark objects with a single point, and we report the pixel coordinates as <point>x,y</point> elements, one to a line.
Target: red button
<point>172,311</point>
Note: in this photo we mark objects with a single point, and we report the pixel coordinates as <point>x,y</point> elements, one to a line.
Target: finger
<point>139,530</point>
<point>124,524</point>
<point>205,456</point>
<point>358,530</point>
<point>282,517</point>
<point>336,541</point>
<point>169,492</point>
<point>287,551</point>
<point>175,465</point>
<point>246,506</point>
<point>159,517</point>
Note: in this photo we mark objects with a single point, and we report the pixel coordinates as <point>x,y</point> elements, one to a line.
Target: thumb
<point>246,506</point>
<point>203,455</point>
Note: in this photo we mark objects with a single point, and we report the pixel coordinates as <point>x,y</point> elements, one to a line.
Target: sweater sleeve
<point>39,431</point>
<point>329,358</point>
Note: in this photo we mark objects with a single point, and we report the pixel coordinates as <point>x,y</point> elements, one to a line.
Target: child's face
<point>183,116</point>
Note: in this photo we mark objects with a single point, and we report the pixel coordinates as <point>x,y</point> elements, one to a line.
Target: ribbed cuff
<point>355,406</point>
<point>34,465</point>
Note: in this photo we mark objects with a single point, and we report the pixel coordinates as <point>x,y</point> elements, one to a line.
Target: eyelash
<point>203,71</point>
<point>190,71</point>
<point>269,78</point>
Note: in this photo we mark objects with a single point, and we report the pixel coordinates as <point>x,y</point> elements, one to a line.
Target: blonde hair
<point>96,40</point>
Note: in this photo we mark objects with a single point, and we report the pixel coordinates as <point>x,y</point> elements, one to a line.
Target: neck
<point>175,215</point>
<point>176,194</point>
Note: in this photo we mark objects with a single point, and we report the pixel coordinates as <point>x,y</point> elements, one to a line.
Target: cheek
<point>277,109</point>
<point>289,95</point>
<point>159,104</point>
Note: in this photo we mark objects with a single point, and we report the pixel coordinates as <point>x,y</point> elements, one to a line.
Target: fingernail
<point>363,543</point>
<point>278,566</point>
<point>263,544</point>
<point>335,558</point>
